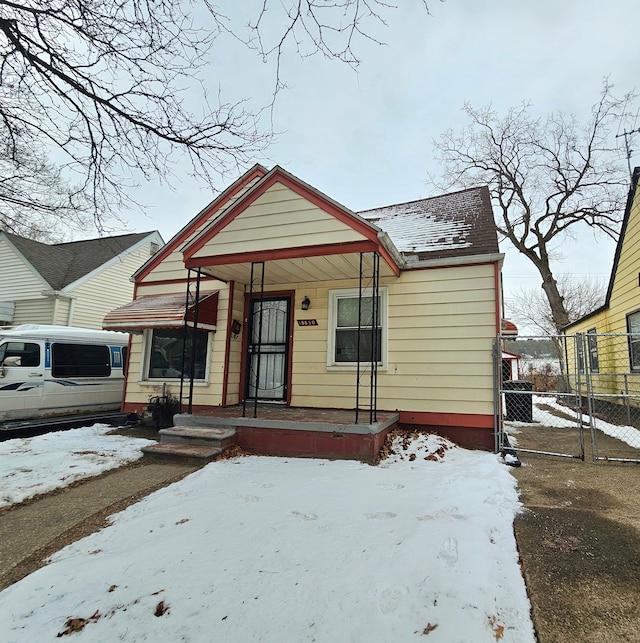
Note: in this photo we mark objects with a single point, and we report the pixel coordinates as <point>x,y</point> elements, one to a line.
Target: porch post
<point>250,334</point>
<point>374,326</point>
<point>358,340</point>
<point>194,331</point>
<point>184,337</point>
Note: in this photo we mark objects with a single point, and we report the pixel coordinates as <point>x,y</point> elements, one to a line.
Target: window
<point>80,360</point>
<point>20,354</point>
<point>165,353</point>
<point>343,327</point>
<point>580,352</point>
<point>633,328</point>
<point>592,349</point>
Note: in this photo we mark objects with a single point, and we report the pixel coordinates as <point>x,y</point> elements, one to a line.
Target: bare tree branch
<point>548,178</point>
<point>104,93</point>
<point>530,308</point>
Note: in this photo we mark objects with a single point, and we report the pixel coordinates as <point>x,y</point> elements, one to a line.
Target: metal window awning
<point>164,311</point>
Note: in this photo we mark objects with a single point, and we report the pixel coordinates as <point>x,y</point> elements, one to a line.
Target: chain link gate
<point>569,394</point>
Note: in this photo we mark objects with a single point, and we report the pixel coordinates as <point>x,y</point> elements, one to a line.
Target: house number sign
<point>307,322</point>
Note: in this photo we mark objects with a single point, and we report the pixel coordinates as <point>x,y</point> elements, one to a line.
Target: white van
<point>60,370</point>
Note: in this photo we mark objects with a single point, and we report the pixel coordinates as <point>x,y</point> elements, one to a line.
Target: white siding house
<point>69,284</point>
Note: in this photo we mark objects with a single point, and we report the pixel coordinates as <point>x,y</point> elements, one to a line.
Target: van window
<point>23,354</point>
<point>80,360</point>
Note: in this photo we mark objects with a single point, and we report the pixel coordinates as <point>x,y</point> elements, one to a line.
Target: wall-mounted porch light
<point>306,303</point>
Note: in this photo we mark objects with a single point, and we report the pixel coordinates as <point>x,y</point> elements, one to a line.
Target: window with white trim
<point>342,344</point>
<point>165,353</point>
<point>592,347</point>
<point>633,328</point>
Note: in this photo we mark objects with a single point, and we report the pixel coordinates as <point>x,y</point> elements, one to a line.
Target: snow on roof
<point>460,223</point>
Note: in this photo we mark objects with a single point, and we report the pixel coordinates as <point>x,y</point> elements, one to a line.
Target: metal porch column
<point>259,267</point>
<point>185,330</point>
<point>372,285</point>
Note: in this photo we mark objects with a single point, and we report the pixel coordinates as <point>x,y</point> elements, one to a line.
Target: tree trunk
<point>556,301</point>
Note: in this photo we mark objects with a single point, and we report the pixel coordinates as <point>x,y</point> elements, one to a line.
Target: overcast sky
<point>365,138</point>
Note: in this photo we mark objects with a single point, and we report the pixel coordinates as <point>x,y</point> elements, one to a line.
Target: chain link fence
<point>566,395</point>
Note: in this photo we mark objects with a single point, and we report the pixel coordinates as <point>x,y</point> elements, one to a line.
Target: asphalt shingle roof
<point>61,264</point>
<point>449,225</point>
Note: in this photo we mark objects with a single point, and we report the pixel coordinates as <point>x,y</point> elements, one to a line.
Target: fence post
<point>627,401</point>
<point>497,379</point>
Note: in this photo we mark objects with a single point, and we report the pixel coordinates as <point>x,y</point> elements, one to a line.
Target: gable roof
<point>61,264</point>
<point>635,177</point>
<point>185,234</point>
<point>459,224</point>
<point>450,225</point>
<point>281,176</point>
<point>368,236</point>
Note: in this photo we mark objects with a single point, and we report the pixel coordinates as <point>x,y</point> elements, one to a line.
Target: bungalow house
<point>69,284</point>
<point>606,342</point>
<point>294,302</point>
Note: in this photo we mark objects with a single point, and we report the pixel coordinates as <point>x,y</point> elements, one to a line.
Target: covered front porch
<point>306,305</point>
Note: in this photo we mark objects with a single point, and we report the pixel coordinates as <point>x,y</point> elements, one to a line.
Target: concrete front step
<point>200,436</point>
<point>196,454</point>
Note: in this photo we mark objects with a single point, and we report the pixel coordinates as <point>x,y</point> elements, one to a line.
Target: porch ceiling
<point>300,269</point>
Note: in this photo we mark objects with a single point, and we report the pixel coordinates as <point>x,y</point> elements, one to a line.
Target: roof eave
<point>460,260</point>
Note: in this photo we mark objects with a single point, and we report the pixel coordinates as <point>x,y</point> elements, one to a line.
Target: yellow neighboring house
<point>272,275</point>
<point>608,347</point>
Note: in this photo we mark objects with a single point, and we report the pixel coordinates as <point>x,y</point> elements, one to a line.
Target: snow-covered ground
<point>568,419</point>
<point>31,466</point>
<point>418,548</point>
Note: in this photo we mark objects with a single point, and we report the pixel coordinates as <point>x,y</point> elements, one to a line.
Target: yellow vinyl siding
<point>235,350</point>
<point>439,355</point>
<point>625,293</point>
<point>613,352</point>
<point>278,219</point>
<point>441,323</point>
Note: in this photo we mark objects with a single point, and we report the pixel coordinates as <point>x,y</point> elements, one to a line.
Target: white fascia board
<point>497,257</point>
<point>389,246</point>
<point>153,236</point>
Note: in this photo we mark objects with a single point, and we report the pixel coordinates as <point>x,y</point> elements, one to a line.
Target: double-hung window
<point>633,328</point>
<point>166,351</point>
<point>347,336</point>
<point>592,347</point>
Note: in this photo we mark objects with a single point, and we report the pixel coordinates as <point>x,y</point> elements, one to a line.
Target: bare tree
<point>548,178</point>
<point>97,94</point>
<point>530,308</point>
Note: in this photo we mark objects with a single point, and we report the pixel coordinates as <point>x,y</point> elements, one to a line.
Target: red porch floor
<point>344,417</point>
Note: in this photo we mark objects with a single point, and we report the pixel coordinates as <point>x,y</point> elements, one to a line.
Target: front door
<point>268,349</point>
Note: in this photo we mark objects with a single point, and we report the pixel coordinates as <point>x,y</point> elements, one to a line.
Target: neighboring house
<point>270,242</point>
<point>69,284</point>
<point>510,366</point>
<point>606,342</point>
